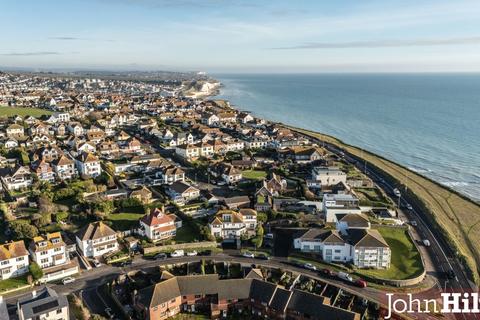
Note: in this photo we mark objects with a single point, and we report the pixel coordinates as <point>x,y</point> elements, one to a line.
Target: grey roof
<point>366,238</point>
<point>41,302</point>
<point>313,306</point>
<point>95,230</point>
<point>280,299</point>
<point>262,291</point>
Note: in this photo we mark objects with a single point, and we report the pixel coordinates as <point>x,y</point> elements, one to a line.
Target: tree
<point>35,270</point>
<point>22,229</point>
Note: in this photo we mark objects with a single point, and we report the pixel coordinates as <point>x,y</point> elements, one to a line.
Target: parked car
<point>409,206</point>
<point>96,263</point>
<point>426,242</point>
<point>68,280</point>
<point>414,223</point>
<point>192,253</point>
<point>177,253</point>
<point>310,266</point>
<point>160,256</point>
<point>327,272</point>
<point>248,254</point>
<point>361,283</point>
<point>344,276</point>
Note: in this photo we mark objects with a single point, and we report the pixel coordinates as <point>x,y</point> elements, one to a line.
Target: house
<point>194,151</point>
<point>96,239</point>
<point>143,194</point>
<point>44,304</point>
<point>170,174</point>
<point>222,298</point>
<point>326,176</point>
<point>11,143</point>
<point>75,128</point>
<point>245,117</point>
<point>158,225</point>
<point>64,168</point>
<point>209,119</point>
<point>300,154</point>
<point>226,172</point>
<point>16,178</point>
<point>334,204</point>
<point>15,131</point>
<point>44,171</point>
<point>13,260</point>
<point>181,138</point>
<point>236,202</point>
<point>229,224</point>
<point>181,192</point>
<point>49,250</point>
<point>88,165</point>
<point>351,221</point>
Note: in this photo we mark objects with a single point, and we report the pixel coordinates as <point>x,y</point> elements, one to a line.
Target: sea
<point>427,122</point>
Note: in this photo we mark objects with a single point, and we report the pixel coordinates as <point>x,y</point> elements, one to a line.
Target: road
<point>440,252</point>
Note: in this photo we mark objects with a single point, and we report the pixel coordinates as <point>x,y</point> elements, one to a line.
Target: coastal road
<point>439,250</point>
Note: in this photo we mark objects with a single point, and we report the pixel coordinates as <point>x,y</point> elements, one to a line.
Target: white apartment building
<point>97,239</point>
<point>49,250</point>
<point>334,204</point>
<point>13,260</point>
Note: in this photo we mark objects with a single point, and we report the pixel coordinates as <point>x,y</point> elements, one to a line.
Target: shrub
<point>35,270</point>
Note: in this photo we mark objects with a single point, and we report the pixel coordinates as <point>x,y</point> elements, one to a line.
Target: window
<point>59,311</point>
<point>20,258</point>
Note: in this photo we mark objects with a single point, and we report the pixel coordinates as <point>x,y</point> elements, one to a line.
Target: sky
<point>242,36</point>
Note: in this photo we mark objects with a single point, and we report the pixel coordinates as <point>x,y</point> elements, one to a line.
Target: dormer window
<point>55,240</point>
<point>42,244</point>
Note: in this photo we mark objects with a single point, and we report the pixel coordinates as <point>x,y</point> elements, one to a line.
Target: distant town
<point>139,199</point>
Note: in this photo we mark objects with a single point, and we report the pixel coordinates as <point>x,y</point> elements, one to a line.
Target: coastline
<point>449,211</point>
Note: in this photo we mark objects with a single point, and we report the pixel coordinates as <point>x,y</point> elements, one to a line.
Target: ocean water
<point>427,122</point>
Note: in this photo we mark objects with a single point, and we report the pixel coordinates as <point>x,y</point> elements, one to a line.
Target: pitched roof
<point>12,250</point>
<point>366,238</point>
<point>157,216</point>
<point>95,230</point>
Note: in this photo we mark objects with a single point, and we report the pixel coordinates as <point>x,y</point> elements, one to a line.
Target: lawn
<point>254,174</point>
<point>187,233</point>
<point>456,214</point>
<point>13,111</point>
<point>124,220</point>
<point>405,262</point>
<point>13,283</point>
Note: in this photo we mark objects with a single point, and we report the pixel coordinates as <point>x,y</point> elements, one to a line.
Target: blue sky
<point>242,36</point>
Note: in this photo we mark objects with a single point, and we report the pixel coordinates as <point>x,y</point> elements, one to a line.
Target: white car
<point>68,280</point>
<point>248,254</point>
<point>192,253</point>
<point>310,266</point>
<point>96,263</point>
<point>177,253</point>
<point>409,206</point>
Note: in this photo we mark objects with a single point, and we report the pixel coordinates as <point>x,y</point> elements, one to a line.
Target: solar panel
<point>45,306</point>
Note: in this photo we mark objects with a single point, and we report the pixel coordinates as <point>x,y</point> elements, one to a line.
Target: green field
<point>125,220</point>
<point>21,111</point>
<point>254,174</point>
<point>406,262</point>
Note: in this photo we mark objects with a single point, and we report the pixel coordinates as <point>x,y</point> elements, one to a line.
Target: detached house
<point>228,173</point>
<point>44,304</point>
<point>97,239</point>
<point>181,192</point>
<point>15,131</point>
<point>88,165</point>
<point>158,225</point>
<point>44,171</point>
<point>229,224</point>
<point>49,250</point>
<point>171,174</point>
<point>13,260</point>
<point>17,178</point>
<point>64,167</point>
